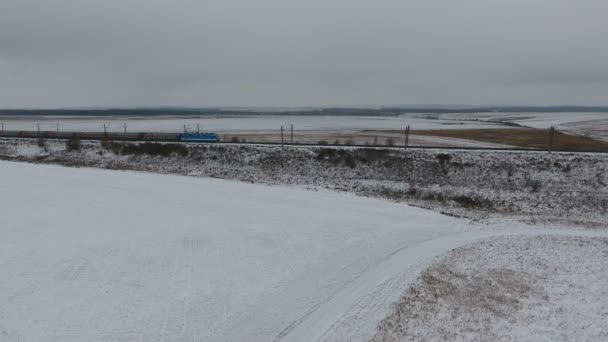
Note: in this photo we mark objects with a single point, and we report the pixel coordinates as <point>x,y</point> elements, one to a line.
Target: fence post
<point>551,135</point>
<point>282,135</point>
<point>104,129</point>
<point>124,124</point>
<point>38,130</point>
<point>292,133</point>
<point>407,136</point>
<point>198,128</point>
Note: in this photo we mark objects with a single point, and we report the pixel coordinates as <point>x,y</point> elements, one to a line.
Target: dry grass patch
<point>548,288</point>
<point>521,137</point>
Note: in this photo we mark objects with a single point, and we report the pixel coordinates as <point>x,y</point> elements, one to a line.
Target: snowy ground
<point>91,255</point>
<point>302,122</point>
<point>240,123</point>
<point>597,129</point>
<point>536,120</point>
<point>94,255</point>
<point>548,288</point>
<point>312,129</point>
<point>361,138</point>
<point>570,187</point>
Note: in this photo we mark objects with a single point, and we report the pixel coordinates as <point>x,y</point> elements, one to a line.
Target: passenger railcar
<point>199,137</point>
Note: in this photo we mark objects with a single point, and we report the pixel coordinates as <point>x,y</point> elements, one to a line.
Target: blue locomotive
<point>199,137</point>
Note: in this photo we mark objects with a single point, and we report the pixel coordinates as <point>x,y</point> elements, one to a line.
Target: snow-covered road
<point>95,255</point>
<point>353,313</point>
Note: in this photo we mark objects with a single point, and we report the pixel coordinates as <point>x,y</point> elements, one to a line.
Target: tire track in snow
<point>171,291</point>
<point>359,306</point>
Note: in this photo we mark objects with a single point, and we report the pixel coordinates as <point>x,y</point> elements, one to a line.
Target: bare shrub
<point>106,142</point>
<point>535,186</point>
<point>42,144</point>
<point>337,157</point>
<point>371,154</point>
<point>235,139</point>
<point>472,202</point>
<point>154,149</point>
<point>73,144</point>
<point>442,157</point>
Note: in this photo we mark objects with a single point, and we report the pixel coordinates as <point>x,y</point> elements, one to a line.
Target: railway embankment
<point>537,186</point>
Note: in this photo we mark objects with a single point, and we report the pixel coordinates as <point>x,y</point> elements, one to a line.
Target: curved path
<point>353,313</point>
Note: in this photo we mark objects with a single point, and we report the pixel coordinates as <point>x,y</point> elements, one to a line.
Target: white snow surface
<point>517,288</point>
<point>92,255</point>
<point>535,120</point>
<point>576,123</point>
<point>271,123</point>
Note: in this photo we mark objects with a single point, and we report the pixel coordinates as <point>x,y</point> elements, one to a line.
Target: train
<point>207,137</point>
<point>199,137</point>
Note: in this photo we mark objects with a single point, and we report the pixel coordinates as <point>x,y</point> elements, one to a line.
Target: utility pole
<point>551,136</point>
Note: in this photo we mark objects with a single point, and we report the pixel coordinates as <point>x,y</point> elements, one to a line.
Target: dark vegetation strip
<point>523,137</point>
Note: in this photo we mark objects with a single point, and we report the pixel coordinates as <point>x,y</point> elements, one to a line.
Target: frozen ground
<point>302,122</point>
<point>361,138</point>
<point>94,255</point>
<point>597,129</point>
<point>312,129</point>
<point>569,187</point>
<point>549,288</point>
<point>593,125</point>
<point>241,123</point>
<point>536,120</point>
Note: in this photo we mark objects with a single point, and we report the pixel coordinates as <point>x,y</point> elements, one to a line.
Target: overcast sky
<point>302,53</point>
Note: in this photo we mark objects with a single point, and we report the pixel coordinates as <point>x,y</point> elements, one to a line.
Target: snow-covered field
<point>92,255</point>
<point>530,185</point>
<point>535,120</point>
<point>594,125</point>
<point>363,130</point>
<point>545,288</point>
<point>242,123</point>
<point>597,129</point>
<point>301,122</point>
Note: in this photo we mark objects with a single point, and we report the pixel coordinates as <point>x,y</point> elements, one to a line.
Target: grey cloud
<point>315,52</point>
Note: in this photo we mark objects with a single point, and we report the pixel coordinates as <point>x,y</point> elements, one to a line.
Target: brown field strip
<point>521,137</point>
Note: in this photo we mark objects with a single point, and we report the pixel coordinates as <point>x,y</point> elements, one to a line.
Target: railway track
<point>175,138</point>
